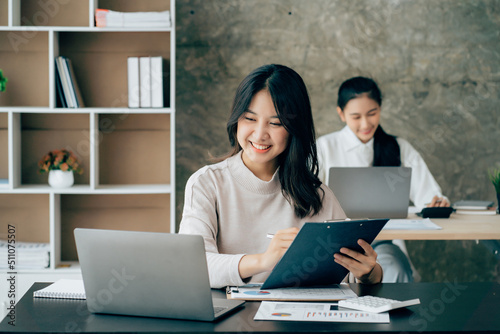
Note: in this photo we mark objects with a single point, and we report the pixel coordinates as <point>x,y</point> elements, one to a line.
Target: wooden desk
<point>444,308</point>
<point>457,227</point>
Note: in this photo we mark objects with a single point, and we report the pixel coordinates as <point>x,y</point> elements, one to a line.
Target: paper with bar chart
<point>322,312</point>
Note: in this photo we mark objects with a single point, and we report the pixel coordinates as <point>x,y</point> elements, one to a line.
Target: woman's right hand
<point>280,242</point>
<point>438,202</point>
<point>258,263</point>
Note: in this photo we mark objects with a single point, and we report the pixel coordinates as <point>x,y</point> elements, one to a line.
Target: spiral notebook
<point>64,289</point>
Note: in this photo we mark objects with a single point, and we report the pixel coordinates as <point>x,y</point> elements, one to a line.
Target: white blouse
<point>343,149</point>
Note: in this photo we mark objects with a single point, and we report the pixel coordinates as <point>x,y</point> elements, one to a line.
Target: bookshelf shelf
<point>26,29</point>
<point>128,154</point>
<point>86,189</point>
<point>118,110</point>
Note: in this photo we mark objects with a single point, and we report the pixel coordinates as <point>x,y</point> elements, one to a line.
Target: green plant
<point>60,160</point>
<point>3,82</point>
<point>494,175</point>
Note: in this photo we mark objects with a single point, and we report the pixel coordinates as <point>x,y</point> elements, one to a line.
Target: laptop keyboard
<point>219,309</point>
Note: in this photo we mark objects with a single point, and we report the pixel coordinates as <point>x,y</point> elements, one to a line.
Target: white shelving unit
<point>128,154</point>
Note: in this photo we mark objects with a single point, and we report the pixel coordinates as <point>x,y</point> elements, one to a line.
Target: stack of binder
<point>145,82</point>
<point>106,18</point>
<point>27,255</point>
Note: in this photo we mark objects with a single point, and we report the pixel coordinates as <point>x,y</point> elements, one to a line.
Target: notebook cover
<point>63,288</point>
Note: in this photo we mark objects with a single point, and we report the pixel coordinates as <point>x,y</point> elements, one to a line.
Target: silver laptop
<point>147,274</point>
<point>372,192</point>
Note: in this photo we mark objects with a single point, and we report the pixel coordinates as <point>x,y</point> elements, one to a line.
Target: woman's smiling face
<point>261,136</point>
<point>362,116</point>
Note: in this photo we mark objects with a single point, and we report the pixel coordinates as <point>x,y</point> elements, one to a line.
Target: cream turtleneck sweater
<point>234,210</point>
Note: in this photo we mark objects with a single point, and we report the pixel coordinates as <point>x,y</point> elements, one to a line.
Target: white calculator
<point>375,304</point>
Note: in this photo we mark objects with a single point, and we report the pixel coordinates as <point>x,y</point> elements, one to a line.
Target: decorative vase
<point>60,179</point>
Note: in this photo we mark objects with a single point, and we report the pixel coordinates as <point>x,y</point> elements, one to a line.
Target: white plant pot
<point>60,179</point>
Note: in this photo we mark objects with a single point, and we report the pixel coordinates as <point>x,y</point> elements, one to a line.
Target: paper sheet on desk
<point>330,293</point>
<point>325,312</point>
<point>411,224</point>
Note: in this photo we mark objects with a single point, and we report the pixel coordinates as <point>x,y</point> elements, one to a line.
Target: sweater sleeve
<point>200,217</point>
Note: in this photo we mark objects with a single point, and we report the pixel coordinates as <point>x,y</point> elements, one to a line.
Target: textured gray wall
<point>437,63</point>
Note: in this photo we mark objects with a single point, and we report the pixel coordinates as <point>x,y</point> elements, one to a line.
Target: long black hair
<point>298,164</point>
<point>386,150</point>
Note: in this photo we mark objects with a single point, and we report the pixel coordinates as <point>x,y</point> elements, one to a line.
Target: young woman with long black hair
<point>363,143</point>
<point>267,184</point>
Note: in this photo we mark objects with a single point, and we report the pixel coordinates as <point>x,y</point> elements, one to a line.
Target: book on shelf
<point>64,289</point>
<point>156,67</point>
<point>77,95</point>
<point>60,99</point>
<point>71,90</point>
<point>71,96</point>
<point>64,79</point>
<point>133,82</point>
<point>28,255</point>
<point>106,18</point>
<point>145,82</point>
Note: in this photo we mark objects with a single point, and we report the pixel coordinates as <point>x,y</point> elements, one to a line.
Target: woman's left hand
<point>363,266</point>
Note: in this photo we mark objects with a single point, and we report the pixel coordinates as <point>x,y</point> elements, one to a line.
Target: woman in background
<point>267,184</point>
<point>363,143</point>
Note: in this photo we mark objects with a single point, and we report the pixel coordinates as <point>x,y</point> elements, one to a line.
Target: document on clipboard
<point>253,292</point>
<point>309,259</point>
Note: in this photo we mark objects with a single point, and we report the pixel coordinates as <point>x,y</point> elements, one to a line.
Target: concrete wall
<point>437,63</point>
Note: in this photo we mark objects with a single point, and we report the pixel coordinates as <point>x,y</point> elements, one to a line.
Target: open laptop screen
<point>372,192</point>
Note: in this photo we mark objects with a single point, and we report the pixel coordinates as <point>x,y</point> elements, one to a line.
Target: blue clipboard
<point>309,260</point>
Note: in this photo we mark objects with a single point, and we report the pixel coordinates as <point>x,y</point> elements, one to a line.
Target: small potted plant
<point>60,164</point>
<point>494,175</point>
<point>3,82</point>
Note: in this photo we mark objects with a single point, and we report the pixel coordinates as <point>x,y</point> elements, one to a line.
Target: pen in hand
<point>270,235</point>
